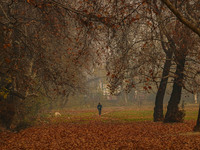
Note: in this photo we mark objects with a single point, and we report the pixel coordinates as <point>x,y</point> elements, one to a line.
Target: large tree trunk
<point>158,109</point>
<point>173,113</point>
<point>197,127</point>
<point>7,112</point>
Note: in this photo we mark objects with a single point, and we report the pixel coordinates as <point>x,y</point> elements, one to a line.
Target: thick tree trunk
<point>7,111</point>
<point>158,109</point>
<point>197,127</point>
<point>173,113</point>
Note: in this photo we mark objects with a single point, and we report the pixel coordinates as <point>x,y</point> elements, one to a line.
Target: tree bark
<point>64,101</point>
<point>195,97</point>
<point>126,98</point>
<point>197,127</point>
<point>158,109</point>
<point>173,113</point>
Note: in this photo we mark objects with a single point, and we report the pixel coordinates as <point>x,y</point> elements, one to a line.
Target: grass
<point>115,114</point>
<point>191,115</point>
<point>131,115</point>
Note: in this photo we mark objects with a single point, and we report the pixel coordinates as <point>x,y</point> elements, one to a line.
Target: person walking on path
<point>99,107</point>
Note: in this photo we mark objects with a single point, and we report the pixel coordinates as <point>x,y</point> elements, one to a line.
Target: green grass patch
<point>191,115</point>
<point>131,115</point>
<point>111,115</point>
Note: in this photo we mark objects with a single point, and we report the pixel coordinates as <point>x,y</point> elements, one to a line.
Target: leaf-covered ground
<point>117,128</point>
<point>103,135</point>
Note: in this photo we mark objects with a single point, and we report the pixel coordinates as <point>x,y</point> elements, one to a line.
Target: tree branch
<point>193,26</point>
<point>15,93</point>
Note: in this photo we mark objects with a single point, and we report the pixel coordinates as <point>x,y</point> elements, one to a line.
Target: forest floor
<point>119,129</point>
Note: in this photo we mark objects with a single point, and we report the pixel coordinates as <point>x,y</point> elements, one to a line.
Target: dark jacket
<point>99,107</point>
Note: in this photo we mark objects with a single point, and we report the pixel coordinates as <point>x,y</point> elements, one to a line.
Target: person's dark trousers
<point>99,112</point>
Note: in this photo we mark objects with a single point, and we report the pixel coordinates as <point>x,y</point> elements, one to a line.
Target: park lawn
<point>145,115</point>
<point>120,115</point>
<point>191,114</point>
<point>131,115</point>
